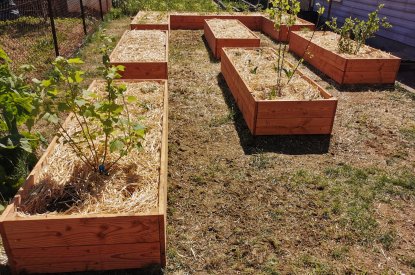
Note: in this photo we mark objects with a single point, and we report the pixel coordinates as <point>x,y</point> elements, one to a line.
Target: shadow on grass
<point>287,144</point>
<point>212,58</point>
<point>153,270</point>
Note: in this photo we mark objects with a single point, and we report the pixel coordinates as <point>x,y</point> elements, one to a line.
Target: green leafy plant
<point>284,13</point>
<point>17,116</point>
<point>103,121</point>
<point>354,32</point>
<point>16,106</point>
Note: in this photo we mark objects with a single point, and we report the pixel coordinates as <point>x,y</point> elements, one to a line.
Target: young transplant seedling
<point>284,12</point>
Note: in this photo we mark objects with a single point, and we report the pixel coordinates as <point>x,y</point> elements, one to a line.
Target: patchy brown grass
<point>283,205</point>
<point>292,204</point>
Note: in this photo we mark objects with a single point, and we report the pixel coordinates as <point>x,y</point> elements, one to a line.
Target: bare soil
<point>141,46</point>
<point>328,40</point>
<point>229,28</point>
<point>151,17</point>
<point>257,69</point>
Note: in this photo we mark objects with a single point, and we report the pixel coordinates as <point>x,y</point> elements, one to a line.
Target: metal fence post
<point>101,11</point>
<point>52,24</point>
<point>83,15</point>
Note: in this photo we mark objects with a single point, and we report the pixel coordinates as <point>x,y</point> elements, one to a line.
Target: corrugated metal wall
<point>401,14</point>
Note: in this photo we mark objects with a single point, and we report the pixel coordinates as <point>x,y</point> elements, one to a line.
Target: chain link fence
<point>36,31</point>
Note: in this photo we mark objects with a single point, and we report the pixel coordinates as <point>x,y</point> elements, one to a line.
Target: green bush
<point>17,111</point>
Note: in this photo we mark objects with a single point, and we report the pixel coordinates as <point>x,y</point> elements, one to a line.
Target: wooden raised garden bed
<point>150,20</point>
<point>143,53</point>
<point>93,234</point>
<point>221,33</point>
<point>192,21</point>
<point>282,35</point>
<point>369,66</point>
<point>302,108</point>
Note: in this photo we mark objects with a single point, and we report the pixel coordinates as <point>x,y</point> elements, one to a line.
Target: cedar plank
<point>294,122</point>
<point>369,77</point>
<point>373,65</point>
<point>81,231</point>
<point>324,130</point>
<point>82,258</point>
<point>299,109</point>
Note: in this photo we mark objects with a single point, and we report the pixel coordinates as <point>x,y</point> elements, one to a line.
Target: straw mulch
<point>328,40</point>
<point>229,28</point>
<point>141,46</point>
<point>257,69</point>
<point>67,186</point>
<point>151,17</point>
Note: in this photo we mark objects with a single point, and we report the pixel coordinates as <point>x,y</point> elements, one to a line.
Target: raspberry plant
<point>354,32</point>
<point>104,122</point>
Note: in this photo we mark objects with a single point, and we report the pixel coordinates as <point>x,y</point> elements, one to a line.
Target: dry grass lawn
<point>293,204</point>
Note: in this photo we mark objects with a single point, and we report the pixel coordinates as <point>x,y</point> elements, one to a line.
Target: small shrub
<point>354,32</point>
<point>116,132</point>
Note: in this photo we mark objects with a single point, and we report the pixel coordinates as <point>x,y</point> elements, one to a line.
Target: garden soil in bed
<point>65,185</point>
<point>229,28</point>
<point>141,46</point>
<point>257,69</point>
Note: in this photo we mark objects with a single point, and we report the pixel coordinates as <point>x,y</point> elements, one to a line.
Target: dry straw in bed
<point>66,186</point>
<point>151,17</point>
<point>141,46</point>
<point>329,41</point>
<point>257,69</point>
<point>229,28</point>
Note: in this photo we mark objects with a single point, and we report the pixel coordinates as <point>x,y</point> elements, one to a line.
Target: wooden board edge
<point>163,240</point>
<point>210,38</point>
<point>164,157</point>
<point>117,46</point>
<point>163,188</point>
<point>226,62</point>
<point>5,240</point>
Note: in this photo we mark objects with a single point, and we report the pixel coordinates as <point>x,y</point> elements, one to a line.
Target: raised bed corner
<point>283,35</point>
<point>140,22</point>
<point>216,44</point>
<point>346,70</point>
<point>280,117</point>
<point>140,69</point>
<point>73,243</point>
